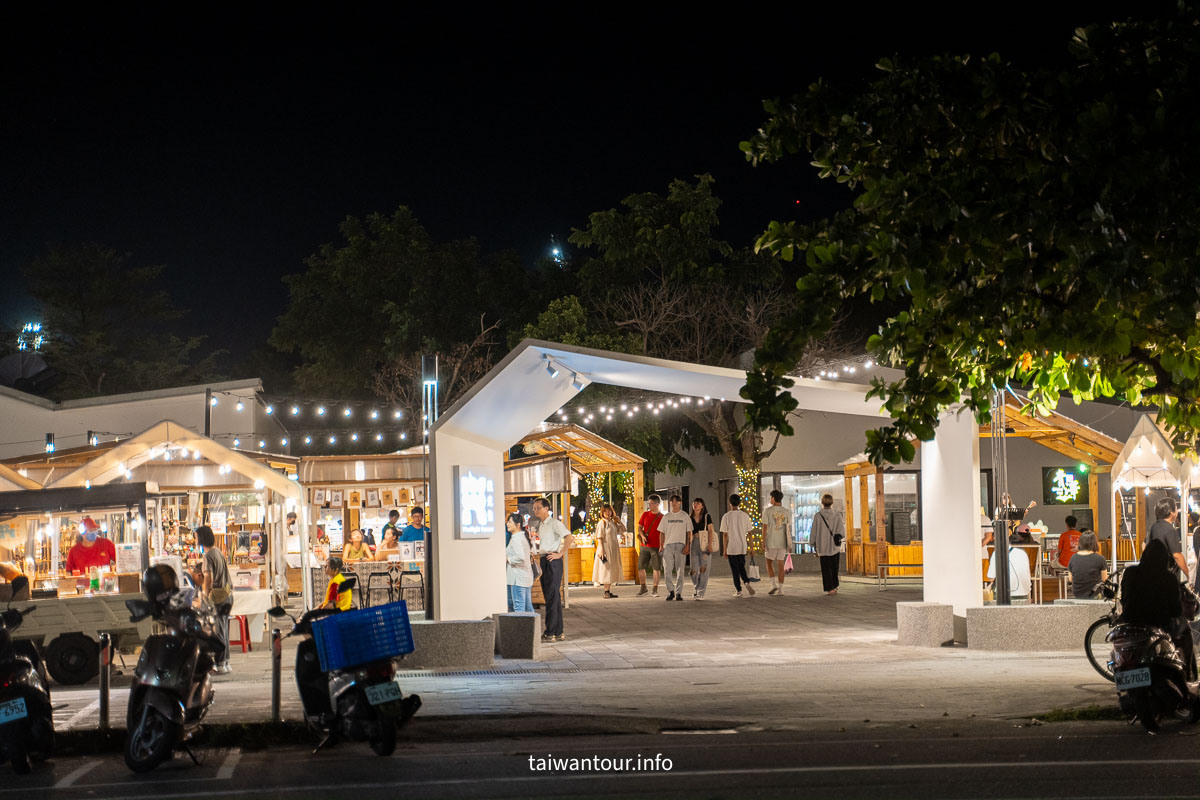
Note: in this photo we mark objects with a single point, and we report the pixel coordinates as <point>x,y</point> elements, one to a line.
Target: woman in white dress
<point>606,568</point>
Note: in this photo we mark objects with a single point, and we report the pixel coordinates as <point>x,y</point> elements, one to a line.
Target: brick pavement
<point>803,658</point>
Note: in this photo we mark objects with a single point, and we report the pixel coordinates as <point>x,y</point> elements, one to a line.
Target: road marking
<point>70,779</point>
<point>226,770</point>
<point>81,713</point>
<point>591,776</point>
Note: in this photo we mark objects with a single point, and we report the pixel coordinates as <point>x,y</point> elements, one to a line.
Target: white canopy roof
<point>11,480</point>
<point>1148,459</point>
<point>136,451</point>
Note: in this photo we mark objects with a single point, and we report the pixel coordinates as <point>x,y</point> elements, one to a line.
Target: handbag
<point>752,573</point>
<point>787,564</point>
<point>837,537</point>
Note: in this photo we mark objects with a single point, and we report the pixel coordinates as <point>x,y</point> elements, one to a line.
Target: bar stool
<point>243,634</point>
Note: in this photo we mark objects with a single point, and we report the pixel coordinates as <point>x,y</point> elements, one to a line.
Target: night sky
<point>229,148</point>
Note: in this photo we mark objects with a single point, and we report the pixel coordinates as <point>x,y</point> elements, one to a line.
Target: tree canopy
<point>1033,227</point>
<point>108,324</point>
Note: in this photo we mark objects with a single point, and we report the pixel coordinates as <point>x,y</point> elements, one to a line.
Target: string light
<point>237,442</point>
<point>374,414</point>
<point>320,411</point>
<point>295,410</point>
<point>270,409</point>
<point>240,406</point>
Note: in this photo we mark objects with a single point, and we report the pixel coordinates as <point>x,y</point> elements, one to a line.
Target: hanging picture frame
<point>335,498</point>
<point>403,498</point>
<point>356,499</point>
<point>386,497</point>
<point>372,498</point>
<point>318,497</point>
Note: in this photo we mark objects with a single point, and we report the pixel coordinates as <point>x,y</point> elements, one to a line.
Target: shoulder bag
<point>837,537</point>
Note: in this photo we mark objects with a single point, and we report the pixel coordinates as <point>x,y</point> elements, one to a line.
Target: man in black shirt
<point>1164,530</point>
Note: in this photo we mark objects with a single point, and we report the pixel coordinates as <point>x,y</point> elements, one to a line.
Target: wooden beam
<point>1140,526</point>
<point>880,522</point>
<point>1094,499</point>
<point>851,531</point>
<point>866,517</point>
<point>859,468</point>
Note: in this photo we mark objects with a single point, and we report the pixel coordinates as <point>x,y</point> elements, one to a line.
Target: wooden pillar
<point>881,544</point>
<point>639,499</point>
<point>1094,496</point>
<point>850,530</point>
<point>864,499</point>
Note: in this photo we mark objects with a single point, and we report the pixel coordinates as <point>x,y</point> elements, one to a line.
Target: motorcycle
<point>1151,675</point>
<point>172,689</point>
<point>26,716</point>
<point>359,703</point>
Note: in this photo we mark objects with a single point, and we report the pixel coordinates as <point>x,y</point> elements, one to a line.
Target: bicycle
<point>1096,639</point>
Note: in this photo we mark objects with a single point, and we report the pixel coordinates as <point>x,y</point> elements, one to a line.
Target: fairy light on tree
<point>748,481</point>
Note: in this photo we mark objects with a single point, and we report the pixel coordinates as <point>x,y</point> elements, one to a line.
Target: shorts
<point>649,558</point>
<point>776,553</point>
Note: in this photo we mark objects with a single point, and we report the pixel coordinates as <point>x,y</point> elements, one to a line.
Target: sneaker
<point>750,589</point>
<point>779,592</point>
<point>670,597</point>
<point>547,637</point>
<point>774,591</point>
<point>562,637</point>
<point>737,594</point>
<point>679,597</point>
<point>698,597</point>
<point>224,669</point>
<point>654,593</point>
<point>642,591</point>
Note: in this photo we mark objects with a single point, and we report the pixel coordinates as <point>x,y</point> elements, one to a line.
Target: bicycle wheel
<point>1097,649</point>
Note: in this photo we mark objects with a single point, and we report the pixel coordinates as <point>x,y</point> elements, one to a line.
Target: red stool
<point>243,634</point>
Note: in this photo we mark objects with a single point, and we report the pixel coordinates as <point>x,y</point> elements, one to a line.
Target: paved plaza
<point>798,660</point>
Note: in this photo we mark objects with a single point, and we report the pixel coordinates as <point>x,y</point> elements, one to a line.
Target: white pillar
<point>950,501</point>
<point>469,580</point>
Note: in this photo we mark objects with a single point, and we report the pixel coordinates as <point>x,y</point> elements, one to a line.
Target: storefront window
<point>802,498</point>
<point>901,516</point>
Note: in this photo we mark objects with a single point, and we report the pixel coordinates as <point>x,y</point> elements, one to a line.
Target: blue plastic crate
<point>351,638</point>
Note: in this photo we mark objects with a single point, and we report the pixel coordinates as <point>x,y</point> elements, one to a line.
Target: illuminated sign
<point>1064,486</point>
<point>475,501</point>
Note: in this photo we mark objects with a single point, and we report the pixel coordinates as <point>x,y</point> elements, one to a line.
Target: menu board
<point>129,558</point>
<point>218,520</point>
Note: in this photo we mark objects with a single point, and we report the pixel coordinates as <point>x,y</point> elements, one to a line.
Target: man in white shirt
<point>735,525</point>
<point>553,542</point>
<point>775,540</point>
<point>675,529</point>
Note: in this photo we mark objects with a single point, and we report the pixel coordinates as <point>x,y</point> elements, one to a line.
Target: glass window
<point>802,498</point>
<point>902,513</point>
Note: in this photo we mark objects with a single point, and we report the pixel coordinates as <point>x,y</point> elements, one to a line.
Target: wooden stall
<point>559,452</point>
<point>866,544</point>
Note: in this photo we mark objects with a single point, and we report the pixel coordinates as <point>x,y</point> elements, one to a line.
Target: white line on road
<point>80,714</point>
<point>70,779</point>
<point>591,776</point>
<point>226,770</point>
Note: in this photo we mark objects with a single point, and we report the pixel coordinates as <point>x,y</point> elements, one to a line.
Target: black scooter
<point>26,716</point>
<point>360,703</point>
<point>172,688</point>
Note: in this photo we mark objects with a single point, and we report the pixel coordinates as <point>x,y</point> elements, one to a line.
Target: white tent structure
<point>1147,461</point>
<point>11,480</point>
<point>168,436</point>
<point>537,378</point>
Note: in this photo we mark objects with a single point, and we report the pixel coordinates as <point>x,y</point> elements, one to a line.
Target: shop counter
<point>581,561</point>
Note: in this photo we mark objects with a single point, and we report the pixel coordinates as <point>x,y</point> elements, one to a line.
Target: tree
<point>1028,226</point>
<point>108,324</point>
<point>662,277</point>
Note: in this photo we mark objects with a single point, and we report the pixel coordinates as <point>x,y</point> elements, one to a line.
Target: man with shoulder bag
<point>828,533</point>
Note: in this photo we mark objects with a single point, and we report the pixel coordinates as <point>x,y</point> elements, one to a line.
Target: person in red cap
<point>91,549</point>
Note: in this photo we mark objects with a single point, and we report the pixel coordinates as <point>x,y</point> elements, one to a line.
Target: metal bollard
<point>276,668</point>
<point>105,663</point>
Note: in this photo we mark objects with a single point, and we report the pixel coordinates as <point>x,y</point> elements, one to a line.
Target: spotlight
<point>551,369</point>
<point>578,382</point>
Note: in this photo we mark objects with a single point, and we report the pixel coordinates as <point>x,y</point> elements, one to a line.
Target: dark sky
<point>229,147</point>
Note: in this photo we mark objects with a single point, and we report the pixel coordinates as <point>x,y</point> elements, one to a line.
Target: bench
<point>882,578</point>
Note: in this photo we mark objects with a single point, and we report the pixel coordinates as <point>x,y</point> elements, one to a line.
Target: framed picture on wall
<point>372,498</point>
<point>318,497</point>
<point>403,498</point>
<point>419,494</point>
<point>387,497</point>
<point>356,499</point>
<point>335,498</point>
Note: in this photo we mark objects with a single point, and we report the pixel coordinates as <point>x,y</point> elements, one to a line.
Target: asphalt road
<point>939,760</point>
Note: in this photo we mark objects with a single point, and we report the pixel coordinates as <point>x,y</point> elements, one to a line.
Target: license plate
<point>1132,679</point>
<point>13,710</point>
<point>381,693</point>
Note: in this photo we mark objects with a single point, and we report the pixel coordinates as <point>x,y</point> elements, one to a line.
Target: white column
<point>469,580</point>
<point>950,501</point>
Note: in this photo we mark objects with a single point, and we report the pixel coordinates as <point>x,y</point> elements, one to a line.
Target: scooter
<point>26,716</point>
<point>360,703</point>
<point>172,688</point>
<point>1151,676</point>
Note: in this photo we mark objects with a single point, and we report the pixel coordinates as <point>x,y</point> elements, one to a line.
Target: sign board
<point>129,558</point>
<point>1064,486</point>
<point>218,520</point>
<point>474,502</point>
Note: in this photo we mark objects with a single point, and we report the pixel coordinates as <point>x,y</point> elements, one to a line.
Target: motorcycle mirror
<point>20,585</point>
<point>277,611</point>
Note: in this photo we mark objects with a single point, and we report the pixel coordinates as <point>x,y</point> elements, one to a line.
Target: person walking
<point>606,568</point>
<point>519,570</point>
<point>828,532</point>
<point>649,544</point>
<point>1165,514</point>
<point>704,543</point>
<point>553,542</point>
<point>675,530</point>
<point>218,588</point>
<point>776,523</point>
<point>735,526</point>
